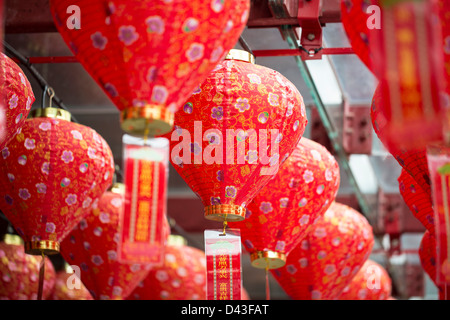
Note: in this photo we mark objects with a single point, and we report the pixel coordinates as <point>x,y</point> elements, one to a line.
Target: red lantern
<point>419,202</point>
<point>332,253</point>
<point>92,246</point>
<point>372,282</point>
<point>148,56</point>
<point>280,215</point>
<point>62,292</point>
<point>245,120</point>
<point>16,100</point>
<point>181,277</point>
<point>19,272</point>
<point>51,174</point>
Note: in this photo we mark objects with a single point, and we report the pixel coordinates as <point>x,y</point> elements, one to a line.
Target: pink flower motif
<point>41,188</point>
<point>217,113</point>
<point>296,124</point>
<point>217,5</point>
<point>215,201</point>
<point>67,156</point>
<point>91,153</point>
<point>216,54</point>
<point>128,34</point>
<point>71,199</point>
<point>308,176</point>
<point>266,207</point>
<point>97,260</point>
<point>18,118</point>
<point>328,175</point>
<point>155,24</point>
<point>159,94</point>
<point>98,231</point>
<point>45,168</point>
<point>161,275</point>
<point>112,255</point>
<point>50,227</point>
<point>29,144</point>
<point>228,26</point>
<point>330,269</point>
<point>111,90</point>
<point>83,167</point>
<point>302,202</point>
<point>320,189</point>
<point>83,224</point>
<point>76,134</point>
<point>213,138</point>
<point>191,24</point>
<point>11,177</point>
<point>304,219</point>
<point>320,233</point>
<point>290,109</point>
<point>291,269</point>
<point>280,245</point>
<point>24,194</point>
<point>273,99</point>
<point>252,156</point>
<point>98,40</point>
<point>284,202</point>
<point>195,52</point>
<point>254,78</point>
<point>188,107</point>
<point>230,192</point>
<point>303,262</point>
<point>5,153</point>
<point>87,203</point>
<point>242,104</point>
<point>45,126</point>
<point>104,217</point>
<point>13,101</point>
<point>22,160</point>
<point>28,104</point>
<point>195,148</point>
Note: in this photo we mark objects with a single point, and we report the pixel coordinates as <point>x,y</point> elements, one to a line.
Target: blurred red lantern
<point>239,102</point>
<point>62,292</point>
<point>282,212</point>
<point>51,174</point>
<point>419,202</point>
<point>372,282</point>
<point>332,253</point>
<point>182,276</point>
<point>92,246</point>
<point>148,56</point>
<point>19,272</point>
<point>16,100</point>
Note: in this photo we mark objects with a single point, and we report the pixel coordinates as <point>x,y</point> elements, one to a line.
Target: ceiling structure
<point>345,88</point>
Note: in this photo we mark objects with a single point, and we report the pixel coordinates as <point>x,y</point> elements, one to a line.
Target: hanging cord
<point>39,78</point>
<point>245,45</point>
<point>267,280</point>
<point>41,277</point>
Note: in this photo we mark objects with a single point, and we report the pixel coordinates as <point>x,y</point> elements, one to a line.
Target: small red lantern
<point>372,282</point>
<point>19,272</point>
<point>181,277</point>
<point>245,120</point>
<point>280,215</point>
<point>332,253</point>
<point>16,100</point>
<point>148,56</point>
<point>92,246</point>
<point>61,291</point>
<point>419,202</point>
<point>52,172</point>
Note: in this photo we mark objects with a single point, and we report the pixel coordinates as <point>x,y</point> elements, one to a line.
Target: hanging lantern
<point>372,282</point>
<point>418,202</point>
<point>62,291</point>
<point>282,212</point>
<point>16,100</point>
<point>325,262</point>
<point>148,56</point>
<point>245,120</point>
<point>93,246</point>
<point>407,60</point>
<point>51,174</point>
<point>413,160</point>
<point>182,276</point>
<point>19,272</point>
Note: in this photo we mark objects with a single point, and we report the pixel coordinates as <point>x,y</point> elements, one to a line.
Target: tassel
<point>41,277</point>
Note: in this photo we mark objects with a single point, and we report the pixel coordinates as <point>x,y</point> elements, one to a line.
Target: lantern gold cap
<point>12,239</point>
<point>37,248</point>
<point>118,188</point>
<point>176,240</point>
<point>225,212</point>
<point>268,259</point>
<point>55,113</point>
<point>241,55</point>
<point>150,120</point>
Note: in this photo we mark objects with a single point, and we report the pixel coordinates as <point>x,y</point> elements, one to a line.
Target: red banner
<point>144,227</point>
<point>439,167</point>
<point>223,264</point>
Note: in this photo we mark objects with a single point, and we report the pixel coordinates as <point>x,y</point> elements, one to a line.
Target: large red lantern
<point>245,120</point>
<point>182,276</point>
<point>418,202</point>
<point>148,56</point>
<point>19,272</point>
<point>16,99</point>
<point>332,253</point>
<point>52,172</point>
<point>93,246</point>
<point>282,212</point>
<point>372,282</point>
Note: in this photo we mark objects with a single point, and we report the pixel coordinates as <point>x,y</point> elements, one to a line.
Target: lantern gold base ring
<point>36,248</point>
<point>267,259</point>
<point>151,120</point>
<point>225,212</point>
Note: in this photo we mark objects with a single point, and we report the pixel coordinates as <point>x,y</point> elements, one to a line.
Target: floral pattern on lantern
<point>19,274</point>
<point>148,56</point>
<point>181,277</point>
<point>51,174</point>
<point>92,245</point>
<point>280,215</point>
<point>372,282</point>
<point>234,132</point>
<point>328,258</point>
<point>17,98</point>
